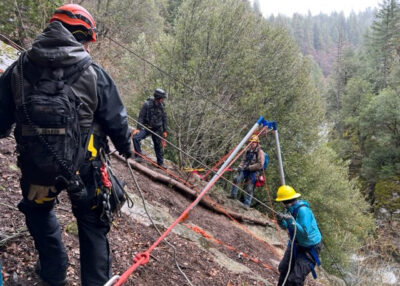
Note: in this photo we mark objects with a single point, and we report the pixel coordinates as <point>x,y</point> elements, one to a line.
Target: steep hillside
<point>226,254</point>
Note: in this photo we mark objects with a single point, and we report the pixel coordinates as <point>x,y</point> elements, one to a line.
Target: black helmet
<point>159,93</point>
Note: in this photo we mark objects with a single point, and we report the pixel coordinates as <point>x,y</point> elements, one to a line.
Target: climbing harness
<point>110,191</point>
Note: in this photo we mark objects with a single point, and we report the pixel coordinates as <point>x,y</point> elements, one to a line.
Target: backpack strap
<point>82,151</point>
<point>294,214</point>
<point>74,72</point>
<point>296,210</point>
<point>150,103</point>
<point>314,261</point>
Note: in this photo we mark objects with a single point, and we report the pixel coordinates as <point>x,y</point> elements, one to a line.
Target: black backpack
<point>154,113</point>
<point>47,123</point>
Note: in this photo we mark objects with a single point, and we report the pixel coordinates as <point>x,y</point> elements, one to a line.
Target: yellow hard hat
<point>254,138</point>
<point>286,193</point>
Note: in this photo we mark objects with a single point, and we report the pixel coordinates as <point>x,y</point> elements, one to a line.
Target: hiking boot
<point>139,159</point>
<point>244,206</point>
<point>162,166</point>
<point>50,282</point>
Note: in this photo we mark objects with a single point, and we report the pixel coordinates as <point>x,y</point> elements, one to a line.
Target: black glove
<point>75,188</point>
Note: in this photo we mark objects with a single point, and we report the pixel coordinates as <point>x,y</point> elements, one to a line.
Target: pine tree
<point>385,37</point>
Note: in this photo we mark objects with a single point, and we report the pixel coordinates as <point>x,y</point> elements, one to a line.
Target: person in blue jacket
<point>303,231</point>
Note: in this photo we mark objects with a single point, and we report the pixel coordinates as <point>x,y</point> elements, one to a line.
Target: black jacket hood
<point>56,47</point>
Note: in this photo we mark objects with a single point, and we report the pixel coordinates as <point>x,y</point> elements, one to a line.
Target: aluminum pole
<point>278,147</point>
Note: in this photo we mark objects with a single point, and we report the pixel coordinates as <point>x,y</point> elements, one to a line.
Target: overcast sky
<point>288,7</point>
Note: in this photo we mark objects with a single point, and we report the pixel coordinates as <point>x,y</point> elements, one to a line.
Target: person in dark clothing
<point>101,113</point>
<point>304,232</point>
<point>249,169</point>
<point>152,120</point>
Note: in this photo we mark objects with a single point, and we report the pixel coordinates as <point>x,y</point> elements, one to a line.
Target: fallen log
<point>205,201</point>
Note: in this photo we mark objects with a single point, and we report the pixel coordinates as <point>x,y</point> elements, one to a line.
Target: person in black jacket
<point>152,120</point>
<point>64,43</point>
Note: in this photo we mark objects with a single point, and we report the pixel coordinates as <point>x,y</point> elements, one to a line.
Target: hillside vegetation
<point>223,65</point>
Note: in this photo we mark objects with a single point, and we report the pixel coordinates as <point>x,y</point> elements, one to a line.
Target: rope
<point>154,225</point>
<point>143,258</point>
<point>174,78</point>
<point>108,164</point>
<point>291,253</point>
<point>264,129</point>
<point>12,43</point>
<point>214,204</point>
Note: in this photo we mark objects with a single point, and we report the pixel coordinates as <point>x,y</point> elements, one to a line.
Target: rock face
<point>7,56</point>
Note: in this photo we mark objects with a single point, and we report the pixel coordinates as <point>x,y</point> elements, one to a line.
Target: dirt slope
<point>204,260</point>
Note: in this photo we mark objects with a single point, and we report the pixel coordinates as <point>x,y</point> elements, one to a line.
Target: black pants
<point>299,269</point>
<point>156,141</point>
<point>45,229</point>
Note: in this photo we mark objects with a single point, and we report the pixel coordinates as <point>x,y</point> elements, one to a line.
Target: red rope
<point>144,257</point>
<point>218,206</point>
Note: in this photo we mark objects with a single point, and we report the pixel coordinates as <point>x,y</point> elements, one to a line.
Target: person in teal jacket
<point>303,230</point>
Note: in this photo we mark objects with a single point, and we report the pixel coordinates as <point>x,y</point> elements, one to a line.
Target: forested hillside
<point>324,36</point>
<point>363,106</point>
<point>223,65</point>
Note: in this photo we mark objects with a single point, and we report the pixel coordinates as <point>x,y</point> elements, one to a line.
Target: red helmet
<point>76,15</point>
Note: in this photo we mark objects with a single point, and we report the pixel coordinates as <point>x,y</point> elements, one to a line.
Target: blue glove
<point>285,216</point>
